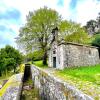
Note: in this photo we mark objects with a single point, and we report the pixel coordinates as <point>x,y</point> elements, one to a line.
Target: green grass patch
<point>40,64</point>
<point>86,79</point>
<point>91,73</point>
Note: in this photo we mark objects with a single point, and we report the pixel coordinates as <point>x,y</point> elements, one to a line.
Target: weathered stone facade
<point>52,88</point>
<point>70,55</point>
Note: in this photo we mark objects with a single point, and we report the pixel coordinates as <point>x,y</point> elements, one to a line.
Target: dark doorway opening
<point>54,62</point>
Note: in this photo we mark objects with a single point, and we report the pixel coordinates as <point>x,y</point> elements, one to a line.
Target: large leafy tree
<point>37,31</point>
<point>73,32</point>
<point>10,58</point>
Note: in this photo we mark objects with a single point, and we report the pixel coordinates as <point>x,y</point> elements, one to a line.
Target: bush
<point>10,58</point>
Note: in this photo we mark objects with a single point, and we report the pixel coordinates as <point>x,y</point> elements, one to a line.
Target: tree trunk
<point>99,52</point>
<point>14,69</point>
<point>0,73</point>
<point>45,58</point>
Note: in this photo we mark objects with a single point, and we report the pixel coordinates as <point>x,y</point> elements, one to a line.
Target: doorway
<point>54,62</point>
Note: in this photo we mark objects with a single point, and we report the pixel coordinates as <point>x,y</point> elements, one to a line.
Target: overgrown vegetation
<point>29,92</point>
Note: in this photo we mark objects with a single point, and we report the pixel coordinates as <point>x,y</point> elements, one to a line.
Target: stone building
<point>63,54</point>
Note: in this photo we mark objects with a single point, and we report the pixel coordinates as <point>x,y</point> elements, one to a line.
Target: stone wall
<point>12,89</point>
<point>51,88</point>
<point>80,55</point>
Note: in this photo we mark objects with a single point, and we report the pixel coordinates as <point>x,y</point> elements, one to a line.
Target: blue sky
<point>13,14</point>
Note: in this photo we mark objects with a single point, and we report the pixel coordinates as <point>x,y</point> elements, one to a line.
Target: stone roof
<point>77,44</point>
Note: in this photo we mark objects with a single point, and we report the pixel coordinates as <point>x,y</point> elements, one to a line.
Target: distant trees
<point>93,26</point>
<point>10,58</point>
<point>73,32</point>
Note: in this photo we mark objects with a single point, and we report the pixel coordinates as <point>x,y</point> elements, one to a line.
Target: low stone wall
<point>12,89</point>
<point>51,88</point>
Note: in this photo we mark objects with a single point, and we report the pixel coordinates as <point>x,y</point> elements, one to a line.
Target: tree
<point>73,32</point>
<point>36,32</point>
<point>91,26</point>
<point>10,58</point>
<point>98,22</point>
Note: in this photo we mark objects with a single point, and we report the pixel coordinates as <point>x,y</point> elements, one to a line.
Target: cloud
<point>13,14</point>
<point>87,10</point>
<point>10,14</point>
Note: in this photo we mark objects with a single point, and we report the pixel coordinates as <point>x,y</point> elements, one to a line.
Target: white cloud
<point>84,11</point>
<point>24,6</point>
<point>87,10</point>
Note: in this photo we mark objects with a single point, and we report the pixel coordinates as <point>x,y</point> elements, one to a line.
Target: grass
<point>91,74</point>
<point>39,64</point>
<point>86,79</point>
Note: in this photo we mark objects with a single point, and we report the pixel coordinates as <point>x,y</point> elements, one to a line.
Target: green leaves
<point>9,58</point>
<point>96,41</point>
<point>73,32</point>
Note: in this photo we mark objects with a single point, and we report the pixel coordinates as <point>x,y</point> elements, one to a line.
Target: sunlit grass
<point>91,74</point>
<point>86,79</point>
<point>40,64</point>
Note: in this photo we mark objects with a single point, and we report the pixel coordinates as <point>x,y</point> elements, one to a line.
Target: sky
<point>13,14</point>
